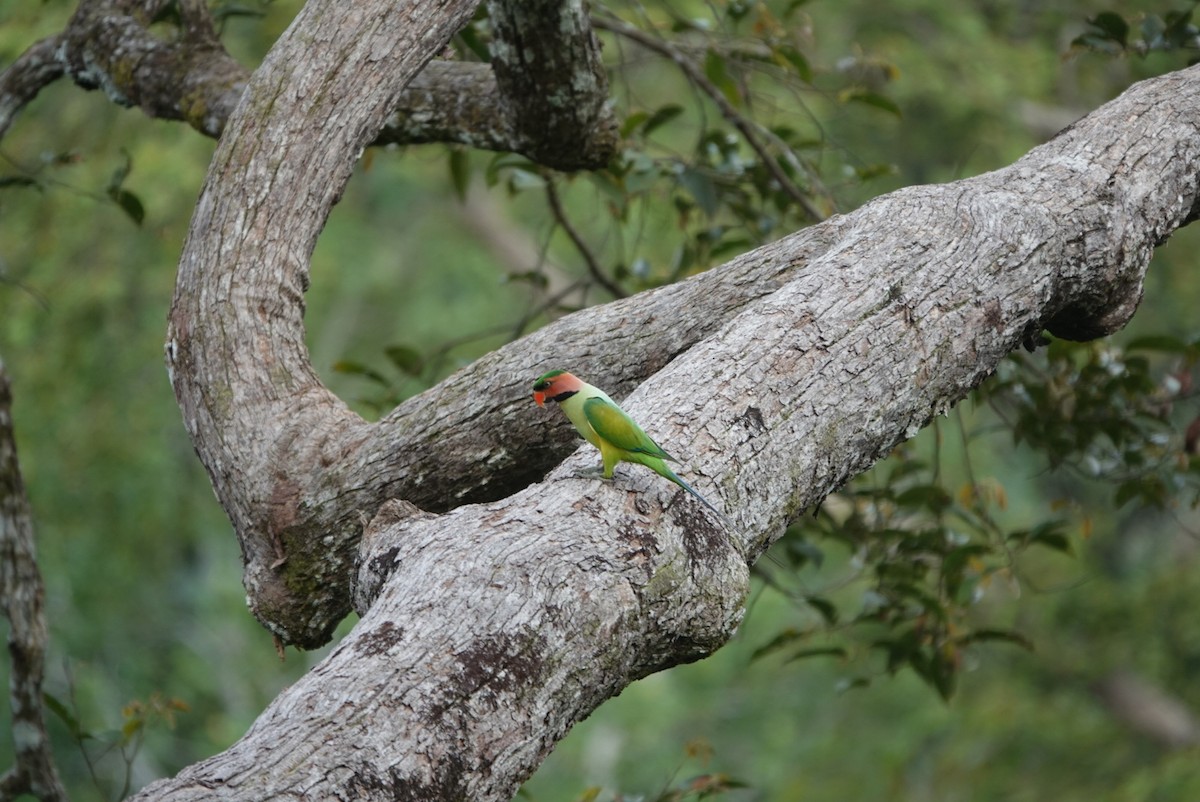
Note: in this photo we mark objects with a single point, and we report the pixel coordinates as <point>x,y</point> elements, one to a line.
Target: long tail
<point>670,474</point>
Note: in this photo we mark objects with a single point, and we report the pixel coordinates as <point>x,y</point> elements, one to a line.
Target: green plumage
<point>610,429</point>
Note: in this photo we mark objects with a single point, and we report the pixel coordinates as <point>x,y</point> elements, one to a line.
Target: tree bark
<point>21,597</point>
<point>561,119</point>
<point>489,629</point>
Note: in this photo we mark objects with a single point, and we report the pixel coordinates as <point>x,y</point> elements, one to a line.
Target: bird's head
<point>557,385</point>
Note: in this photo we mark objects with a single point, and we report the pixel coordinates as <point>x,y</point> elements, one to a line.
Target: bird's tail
<point>675,478</point>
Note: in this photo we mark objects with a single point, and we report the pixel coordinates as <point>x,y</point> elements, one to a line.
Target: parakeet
<point>606,426</point>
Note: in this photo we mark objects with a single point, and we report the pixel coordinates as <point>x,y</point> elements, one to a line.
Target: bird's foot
<point>591,473</point>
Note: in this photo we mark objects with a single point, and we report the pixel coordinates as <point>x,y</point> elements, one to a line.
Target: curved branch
<point>296,469</point>
<point>107,45</point>
<point>236,350</point>
<point>35,69</point>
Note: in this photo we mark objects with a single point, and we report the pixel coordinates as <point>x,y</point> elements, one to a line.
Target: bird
<point>608,427</point>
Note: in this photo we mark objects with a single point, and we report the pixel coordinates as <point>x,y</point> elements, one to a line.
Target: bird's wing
<point>612,424</point>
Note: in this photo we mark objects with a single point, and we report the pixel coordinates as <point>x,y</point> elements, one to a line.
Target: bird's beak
<point>539,399</point>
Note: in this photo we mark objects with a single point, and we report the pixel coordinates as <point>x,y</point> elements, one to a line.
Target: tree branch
<point>36,68</point>
<point>697,78</point>
<point>108,45</point>
<point>21,594</point>
<point>594,269</point>
<point>296,469</point>
<point>547,65</point>
<point>488,630</point>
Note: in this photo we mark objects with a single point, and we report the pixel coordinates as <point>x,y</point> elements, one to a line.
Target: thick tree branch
<point>560,120</point>
<point>236,343</point>
<point>488,630</point>
<point>107,45</point>
<point>21,595</point>
<point>300,527</point>
<point>547,65</point>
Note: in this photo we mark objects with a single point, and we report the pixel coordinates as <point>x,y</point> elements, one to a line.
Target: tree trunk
<point>489,629</point>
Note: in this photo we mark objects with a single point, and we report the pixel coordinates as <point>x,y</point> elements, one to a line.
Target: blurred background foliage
<point>1003,610</point>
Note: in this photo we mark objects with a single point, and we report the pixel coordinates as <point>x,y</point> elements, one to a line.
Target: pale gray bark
<point>489,629</point>
<point>20,83</point>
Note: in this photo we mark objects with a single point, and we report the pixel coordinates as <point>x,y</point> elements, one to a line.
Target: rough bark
<point>489,629</point>
<point>543,83</point>
<point>20,83</point>
<point>21,593</point>
<point>108,45</point>
<point>1056,214</point>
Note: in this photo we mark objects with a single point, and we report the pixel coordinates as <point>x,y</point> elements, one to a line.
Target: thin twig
<point>589,258</point>
<point>698,79</point>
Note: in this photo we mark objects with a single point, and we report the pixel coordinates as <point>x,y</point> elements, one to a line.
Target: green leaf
<point>1111,26</point>
<point>943,671</point>
<point>18,181</point>
<point>633,122</point>
<point>1159,342</point>
<point>65,715</point>
<point>1005,635</point>
<point>872,171</point>
<point>460,171</point>
<point>817,651</point>
<point>1179,32</point>
<point>535,277</point>
<point>1152,31</point>
<point>844,685</point>
<point>122,172</point>
<point>129,203</point>
<point>823,606</point>
<point>718,74</point>
<point>359,369</point>
<point>869,98</point>
<point>1048,534</point>
<point>661,117</point>
<point>407,359</point>
<point>520,179</point>
<point>788,56</point>
<point>701,187</point>
<point>931,497</point>
<point>506,161</point>
<point>784,638</point>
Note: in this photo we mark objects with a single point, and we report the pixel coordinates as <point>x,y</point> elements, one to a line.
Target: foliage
<point>927,538</point>
<point>1116,34</point>
<point>97,748</point>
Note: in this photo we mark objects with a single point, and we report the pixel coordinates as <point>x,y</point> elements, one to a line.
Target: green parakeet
<point>606,426</point>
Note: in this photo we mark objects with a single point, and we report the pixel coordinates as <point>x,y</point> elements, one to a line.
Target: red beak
<point>539,399</point>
